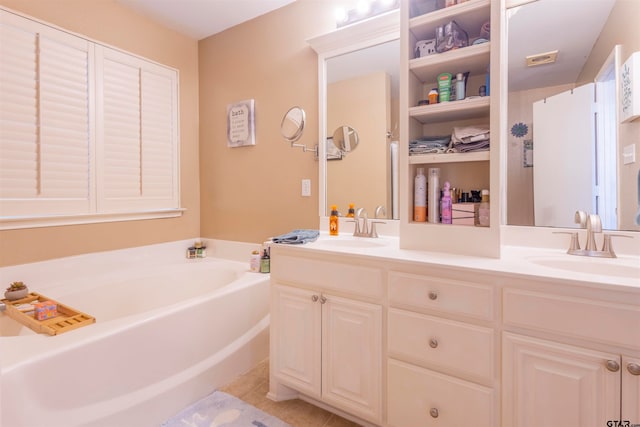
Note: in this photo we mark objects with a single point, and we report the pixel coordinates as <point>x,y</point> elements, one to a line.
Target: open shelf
<point>473,58</point>
<point>469,108</point>
<point>477,156</point>
<point>469,15</point>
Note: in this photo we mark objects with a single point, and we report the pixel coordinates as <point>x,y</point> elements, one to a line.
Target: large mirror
<point>362,93</point>
<point>564,151</point>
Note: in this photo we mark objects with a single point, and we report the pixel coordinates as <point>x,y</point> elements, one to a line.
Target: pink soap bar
<point>45,310</point>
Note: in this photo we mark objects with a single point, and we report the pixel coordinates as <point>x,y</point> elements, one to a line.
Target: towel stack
<point>470,138</point>
<point>430,145</point>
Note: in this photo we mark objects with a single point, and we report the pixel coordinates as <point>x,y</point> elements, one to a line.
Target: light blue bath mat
<point>223,410</point>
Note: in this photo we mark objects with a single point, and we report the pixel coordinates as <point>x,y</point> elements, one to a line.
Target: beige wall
<point>621,28</point>
<point>251,193</point>
<point>108,22</point>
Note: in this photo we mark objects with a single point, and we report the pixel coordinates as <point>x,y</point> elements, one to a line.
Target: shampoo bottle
<point>434,195</point>
<point>265,262</point>
<point>420,197</point>
<point>333,221</point>
<point>484,210</point>
<point>445,204</point>
<point>460,94</point>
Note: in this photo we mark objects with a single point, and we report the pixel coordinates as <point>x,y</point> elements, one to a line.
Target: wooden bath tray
<point>66,320</point>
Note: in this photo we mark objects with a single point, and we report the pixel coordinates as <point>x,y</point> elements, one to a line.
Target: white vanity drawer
<point>608,322</point>
<point>460,348</point>
<point>420,397</point>
<point>450,296</point>
<point>329,275</point>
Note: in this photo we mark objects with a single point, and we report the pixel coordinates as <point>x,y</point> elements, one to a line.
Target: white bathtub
<point>169,331</point>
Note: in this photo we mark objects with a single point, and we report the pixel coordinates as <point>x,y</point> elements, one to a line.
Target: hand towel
<point>297,237</point>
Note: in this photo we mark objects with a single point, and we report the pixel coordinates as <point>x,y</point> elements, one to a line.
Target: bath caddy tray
<point>66,320</point>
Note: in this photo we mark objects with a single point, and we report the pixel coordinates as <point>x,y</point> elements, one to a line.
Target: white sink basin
<point>599,266</point>
<point>354,242</point>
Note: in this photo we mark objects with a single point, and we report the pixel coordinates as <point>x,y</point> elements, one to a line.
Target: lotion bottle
<point>420,197</point>
<point>333,221</point>
<point>445,204</point>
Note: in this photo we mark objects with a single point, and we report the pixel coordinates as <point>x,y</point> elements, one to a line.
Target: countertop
<point>528,262</point>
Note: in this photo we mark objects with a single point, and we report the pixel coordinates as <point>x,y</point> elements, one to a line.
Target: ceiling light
<point>542,58</point>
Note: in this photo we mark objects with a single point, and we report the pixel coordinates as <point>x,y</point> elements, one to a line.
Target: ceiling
<point>569,26</point>
<point>202,18</point>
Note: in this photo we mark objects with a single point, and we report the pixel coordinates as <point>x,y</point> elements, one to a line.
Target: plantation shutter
<point>138,148</point>
<point>45,120</point>
<point>87,133</point>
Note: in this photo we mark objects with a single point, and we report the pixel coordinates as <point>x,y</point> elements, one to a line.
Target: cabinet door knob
<point>633,368</point>
<point>433,343</point>
<point>434,412</point>
<point>314,298</point>
<point>613,365</point>
<point>323,299</point>
<point>433,295</point>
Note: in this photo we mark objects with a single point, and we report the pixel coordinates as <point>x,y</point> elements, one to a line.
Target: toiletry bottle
<point>444,87</point>
<point>420,197</point>
<point>352,212</point>
<point>333,221</point>
<point>434,195</point>
<point>433,96</point>
<point>265,262</point>
<point>445,204</point>
<point>459,87</point>
<point>254,262</point>
<point>484,209</point>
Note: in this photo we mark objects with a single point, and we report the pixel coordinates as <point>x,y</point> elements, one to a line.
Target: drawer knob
<point>314,298</point>
<point>633,368</point>
<point>613,365</point>
<point>433,295</point>
<point>434,412</point>
<point>323,299</point>
<point>433,343</point>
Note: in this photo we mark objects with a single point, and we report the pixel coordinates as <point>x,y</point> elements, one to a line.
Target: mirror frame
<point>377,30</point>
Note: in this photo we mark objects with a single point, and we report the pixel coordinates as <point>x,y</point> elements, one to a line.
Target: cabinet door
<point>631,389</point>
<point>547,384</point>
<point>295,338</point>
<point>352,356</point>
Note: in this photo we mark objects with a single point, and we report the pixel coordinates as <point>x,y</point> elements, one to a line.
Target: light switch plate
<point>629,154</point>
<point>306,187</point>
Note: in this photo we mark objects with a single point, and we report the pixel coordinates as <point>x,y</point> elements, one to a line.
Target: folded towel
<point>297,237</point>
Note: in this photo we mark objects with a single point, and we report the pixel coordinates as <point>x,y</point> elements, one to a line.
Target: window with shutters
<point>87,133</point>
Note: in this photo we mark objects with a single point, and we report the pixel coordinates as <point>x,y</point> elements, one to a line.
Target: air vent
<point>542,58</point>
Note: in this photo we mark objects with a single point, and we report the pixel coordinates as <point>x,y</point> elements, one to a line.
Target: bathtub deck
<point>253,386</point>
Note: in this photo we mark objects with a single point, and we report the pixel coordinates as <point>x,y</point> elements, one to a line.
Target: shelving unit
<point>471,170</point>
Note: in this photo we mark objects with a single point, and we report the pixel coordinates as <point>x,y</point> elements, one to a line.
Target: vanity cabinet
<point>463,170</point>
<point>570,360</point>
<point>325,346</point>
<point>441,352</point>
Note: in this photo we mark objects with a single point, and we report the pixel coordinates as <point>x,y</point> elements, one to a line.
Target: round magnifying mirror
<point>293,124</point>
<point>346,139</point>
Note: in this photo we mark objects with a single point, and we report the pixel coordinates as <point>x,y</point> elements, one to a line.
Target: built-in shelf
<point>469,15</point>
<point>477,156</point>
<point>453,110</point>
<point>474,59</point>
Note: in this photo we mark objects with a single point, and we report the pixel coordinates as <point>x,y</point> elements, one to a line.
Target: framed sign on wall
<point>630,89</point>
<point>241,127</point>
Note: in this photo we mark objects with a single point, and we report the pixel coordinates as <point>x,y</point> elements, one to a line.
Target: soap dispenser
<point>333,221</point>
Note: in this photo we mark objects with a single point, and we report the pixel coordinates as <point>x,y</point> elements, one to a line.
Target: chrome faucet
<point>593,224</point>
<point>365,230</point>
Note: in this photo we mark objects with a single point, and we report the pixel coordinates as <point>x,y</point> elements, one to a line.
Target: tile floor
<point>253,386</point>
